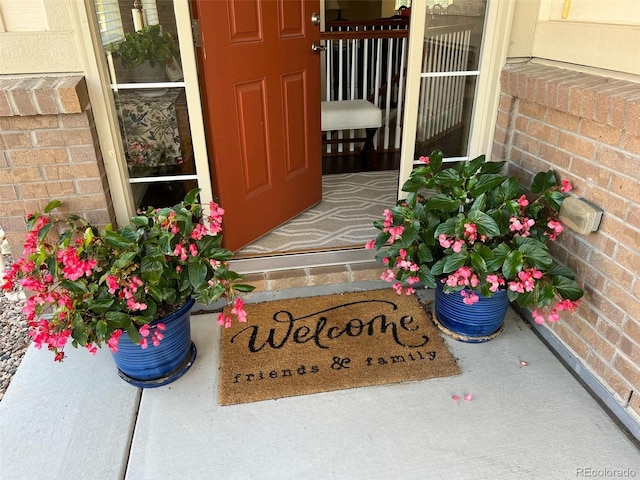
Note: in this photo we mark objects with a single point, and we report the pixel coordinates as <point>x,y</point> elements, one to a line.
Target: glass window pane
<point>444,115</point>
<point>150,55</point>
<point>450,68</point>
<point>109,21</point>
<point>161,194</point>
<point>150,98</point>
<point>155,131</point>
<point>150,10</point>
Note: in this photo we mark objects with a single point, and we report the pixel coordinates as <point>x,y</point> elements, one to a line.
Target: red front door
<point>262,91</point>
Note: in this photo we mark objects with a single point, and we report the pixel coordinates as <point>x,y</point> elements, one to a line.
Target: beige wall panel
<point>38,53</point>
<point>598,46</point>
<point>24,15</point>
<point>622,12</point>
<point>58,15</point>
<point>524,27</point>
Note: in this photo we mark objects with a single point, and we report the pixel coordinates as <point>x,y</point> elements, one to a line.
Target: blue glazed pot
<point>475,323</point>
<point>157,366</point>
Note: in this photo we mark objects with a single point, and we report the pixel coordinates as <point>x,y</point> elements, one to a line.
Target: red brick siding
<point>49,150</point>
<point>586,128</point>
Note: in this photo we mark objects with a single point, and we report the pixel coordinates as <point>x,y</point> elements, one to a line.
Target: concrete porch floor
<point>79,420</point>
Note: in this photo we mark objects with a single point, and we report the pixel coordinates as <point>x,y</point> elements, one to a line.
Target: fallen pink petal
<point>468,397</point>
<point>455,398</point>
<point>523,363</point>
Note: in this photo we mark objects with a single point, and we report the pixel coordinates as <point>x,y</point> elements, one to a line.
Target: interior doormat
<point>333,342</point>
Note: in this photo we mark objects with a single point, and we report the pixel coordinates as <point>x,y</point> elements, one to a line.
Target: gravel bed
<point>13,334</point>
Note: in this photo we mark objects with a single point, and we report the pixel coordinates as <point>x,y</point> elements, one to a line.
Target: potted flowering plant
<point>469,230</point>
<point>91,286</point>
<point>146,53</point>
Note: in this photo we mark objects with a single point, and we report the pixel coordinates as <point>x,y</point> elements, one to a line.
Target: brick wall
<point>48,150</point>
<point>587,128</point>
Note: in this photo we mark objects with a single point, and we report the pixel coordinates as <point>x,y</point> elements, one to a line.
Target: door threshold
<point>275,253</point>
<point>297,260</point>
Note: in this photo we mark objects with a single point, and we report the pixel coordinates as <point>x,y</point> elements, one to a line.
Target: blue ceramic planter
<point>157,366</point>
<point>475,323</point>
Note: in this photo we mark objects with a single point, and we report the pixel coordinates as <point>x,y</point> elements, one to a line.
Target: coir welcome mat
<point>316,344</point>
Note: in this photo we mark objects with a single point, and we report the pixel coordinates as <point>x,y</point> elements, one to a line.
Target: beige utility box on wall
<point>580,215</point>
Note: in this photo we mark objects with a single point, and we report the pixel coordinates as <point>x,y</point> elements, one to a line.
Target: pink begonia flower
<point>135,283</point>
<point>58,340</point>
<point>113,340</point>
<point>396,232</point>
<point>370,245</point>
<point>528,282</point>
<point>181,252</point>
<point>91,347</point>
<point>403,264</point>
<point>193,249</point>
<point>521,226</point>
<point>553,316</point>
<point>215,218</point>
<point>31,240</point>
<point>216,212</point>
<point>469,298</point>
<point>144,330</point>
<point>424,160</point>
<point>445,242</point>
<point>567,305</point>
<point>398,288</point>
<point>143,343</point>
<point>224,320</point>
<point>388,219</point>
<point>457,246</point>
<point>556,228</point>
<point>495,282</point>
<point>537,317</point>
<point>388,276</point>
<point>471,232</point>
<point>133,305</point>
<point>33,284</point>
<point>464,276</point>
<point>112,283</point>
<point>523,202</point>
<point>239,311</point>
<point>198,232</point>
<point>566,186</point>
<point>452,281</point>
<point>73,266</point>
